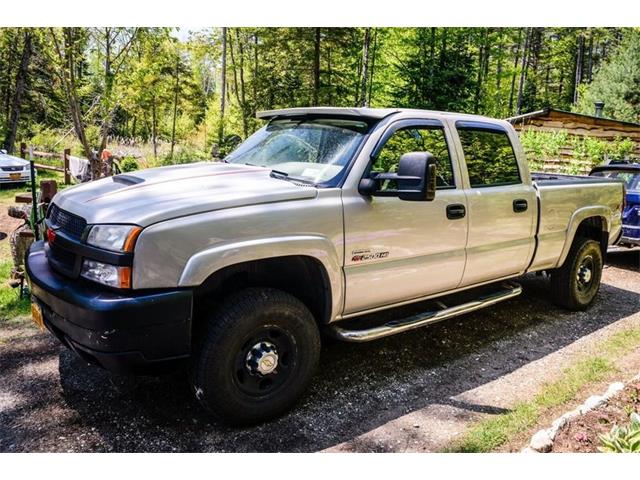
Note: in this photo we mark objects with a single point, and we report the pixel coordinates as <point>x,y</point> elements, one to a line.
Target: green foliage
<point>10,303</point>
<point>160,90</point>
<point>540,146</point>
<point>184,154</point>
<point>617,83</point>
<point>129,164</point>
<point>623,439</point>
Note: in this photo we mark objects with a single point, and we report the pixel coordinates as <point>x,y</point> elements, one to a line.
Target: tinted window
<point>417,139</point>
<point>489,157</point>
<point>631,179</point>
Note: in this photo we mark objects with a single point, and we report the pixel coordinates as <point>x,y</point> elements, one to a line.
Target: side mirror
<point>415,180</point>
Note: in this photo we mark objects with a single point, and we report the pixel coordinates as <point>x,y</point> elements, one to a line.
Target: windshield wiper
<point>285,176</point>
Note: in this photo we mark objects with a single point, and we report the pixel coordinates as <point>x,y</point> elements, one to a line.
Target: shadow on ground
<point>359,386</point>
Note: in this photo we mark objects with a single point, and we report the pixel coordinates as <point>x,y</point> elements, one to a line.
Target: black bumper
<point>129,332</point>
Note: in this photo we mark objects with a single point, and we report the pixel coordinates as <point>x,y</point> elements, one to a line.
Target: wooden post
<point>65,164</point>
<point>23,150</point>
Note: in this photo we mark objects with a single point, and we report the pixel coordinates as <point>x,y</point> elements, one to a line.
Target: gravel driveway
<point>414,391</point>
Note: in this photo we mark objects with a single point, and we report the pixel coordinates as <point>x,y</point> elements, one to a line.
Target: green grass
<point>488,435</point>
<point>11,306</point>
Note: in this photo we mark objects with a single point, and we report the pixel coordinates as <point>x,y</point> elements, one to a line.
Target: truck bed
<point>561,197</point>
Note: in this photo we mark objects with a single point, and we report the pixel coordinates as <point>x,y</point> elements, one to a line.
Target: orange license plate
<point>14,176</point>
<point>36,315</point>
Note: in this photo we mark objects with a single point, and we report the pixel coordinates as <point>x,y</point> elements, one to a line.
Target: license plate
<point>36,315</point>
<point>14,176</point>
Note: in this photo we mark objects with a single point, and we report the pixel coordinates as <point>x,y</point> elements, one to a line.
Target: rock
<point>541,442</point>
<point>528,450</point>
<point>556,426</point>
<point>594,401</point>
<point>613,389</point>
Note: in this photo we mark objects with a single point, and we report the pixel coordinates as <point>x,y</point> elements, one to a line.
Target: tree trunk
<point>238,87</point>
<point>223,86</point>
<point>579,62</point>
<point>21,80</point>
<point>316,67</point>
<point>523,71</point>
<point>373,64</point>
<point>516,60</point>
<point>154,127</point>
<point>362,100</point>
<point>175,108</point>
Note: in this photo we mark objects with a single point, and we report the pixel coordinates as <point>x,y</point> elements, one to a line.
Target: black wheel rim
<point>585,274</point>
<point>265,361</point>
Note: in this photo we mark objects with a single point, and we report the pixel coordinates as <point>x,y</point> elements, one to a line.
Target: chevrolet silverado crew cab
<point>319,220</point>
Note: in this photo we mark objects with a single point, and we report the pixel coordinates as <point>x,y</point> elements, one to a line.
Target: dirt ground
<point>582,434</point>
<point>412,392</point>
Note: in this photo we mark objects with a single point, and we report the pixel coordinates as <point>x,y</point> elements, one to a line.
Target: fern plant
<point>623,439</point>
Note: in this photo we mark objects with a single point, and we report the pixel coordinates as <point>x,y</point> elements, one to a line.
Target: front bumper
<point>6,177</point>
<point>124,332</point>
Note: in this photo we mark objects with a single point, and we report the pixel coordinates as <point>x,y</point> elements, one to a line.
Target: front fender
<point>576,219</point>
<point>206,262</point>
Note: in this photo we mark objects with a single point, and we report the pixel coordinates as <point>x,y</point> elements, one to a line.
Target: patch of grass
<point>490,434</point>
<point>11,306</point>
<point>487,435</point>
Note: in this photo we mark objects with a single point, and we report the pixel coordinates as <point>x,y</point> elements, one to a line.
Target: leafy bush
<point>45,139</point>
<point>623,439</point>
<point>184,154</point>
<point>129,164</point>
<point>540,146</point>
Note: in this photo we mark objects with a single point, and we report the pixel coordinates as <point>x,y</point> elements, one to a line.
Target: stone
<point>541,442</point>
<point>594,401</point>
<point>613,389</point>
<point>556,426</point>
<point>528,450</point>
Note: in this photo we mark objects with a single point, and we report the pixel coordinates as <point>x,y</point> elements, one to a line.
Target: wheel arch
<point>588,222</point>
<point>306,267</point>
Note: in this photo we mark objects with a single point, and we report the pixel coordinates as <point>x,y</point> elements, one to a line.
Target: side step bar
<point>508,290</point>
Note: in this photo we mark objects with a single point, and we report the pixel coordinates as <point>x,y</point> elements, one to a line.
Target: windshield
<point>313,150</point>
<point>631,179</point>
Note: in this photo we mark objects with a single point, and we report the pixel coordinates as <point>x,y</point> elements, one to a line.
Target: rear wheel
<point>258,354</point>
<point>574,285</point>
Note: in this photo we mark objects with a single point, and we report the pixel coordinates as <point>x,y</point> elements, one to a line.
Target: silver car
<point>13,169</point>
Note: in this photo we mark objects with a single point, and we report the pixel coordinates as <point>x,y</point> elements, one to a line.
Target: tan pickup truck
<point>321,218</point>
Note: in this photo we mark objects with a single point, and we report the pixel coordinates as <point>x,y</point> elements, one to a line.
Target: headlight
<point>110,275</point>
<point>117,238</point>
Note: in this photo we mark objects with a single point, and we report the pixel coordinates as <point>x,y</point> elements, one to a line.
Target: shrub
<point>45,139</point>
<point>129,164</point>
<point>623,439</point>
<point>184,154</point>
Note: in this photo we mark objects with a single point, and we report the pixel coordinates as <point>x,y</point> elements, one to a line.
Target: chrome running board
<point>508,290</point>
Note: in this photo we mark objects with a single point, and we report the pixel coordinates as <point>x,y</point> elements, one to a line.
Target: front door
<point>398,250</point>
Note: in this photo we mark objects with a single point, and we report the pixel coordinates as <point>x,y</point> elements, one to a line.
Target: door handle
<point>520,205</point>
<point>456,211</point>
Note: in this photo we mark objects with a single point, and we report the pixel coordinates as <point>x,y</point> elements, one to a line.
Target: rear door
<point>502,205</point>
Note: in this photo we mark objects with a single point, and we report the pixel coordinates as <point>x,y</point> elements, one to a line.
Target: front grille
<point>63,261</point>
<point>68,223</point>
<point>12,169</point>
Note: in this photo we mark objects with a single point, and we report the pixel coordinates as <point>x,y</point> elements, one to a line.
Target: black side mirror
<point>416,179</point>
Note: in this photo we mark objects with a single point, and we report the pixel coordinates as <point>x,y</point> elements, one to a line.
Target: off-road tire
<point>568,288</point>
<point>227,385</point>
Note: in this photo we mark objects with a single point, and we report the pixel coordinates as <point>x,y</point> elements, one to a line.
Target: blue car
<point>630,174</point>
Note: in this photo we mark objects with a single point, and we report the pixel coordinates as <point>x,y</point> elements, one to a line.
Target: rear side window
<point>489,157</point>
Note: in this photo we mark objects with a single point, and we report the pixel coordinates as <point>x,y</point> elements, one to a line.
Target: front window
<point>316,151</point>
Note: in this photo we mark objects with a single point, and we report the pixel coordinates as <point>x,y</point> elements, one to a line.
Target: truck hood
<point>154,195</point>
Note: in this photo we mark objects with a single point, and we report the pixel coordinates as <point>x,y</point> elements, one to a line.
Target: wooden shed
<point>576,125</point>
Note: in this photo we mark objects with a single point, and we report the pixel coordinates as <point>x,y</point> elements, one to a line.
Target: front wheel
<point>574,285</point>
<point>257,356</point>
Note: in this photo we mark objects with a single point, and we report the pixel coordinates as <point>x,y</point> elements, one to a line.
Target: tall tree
<point>21,80</point>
